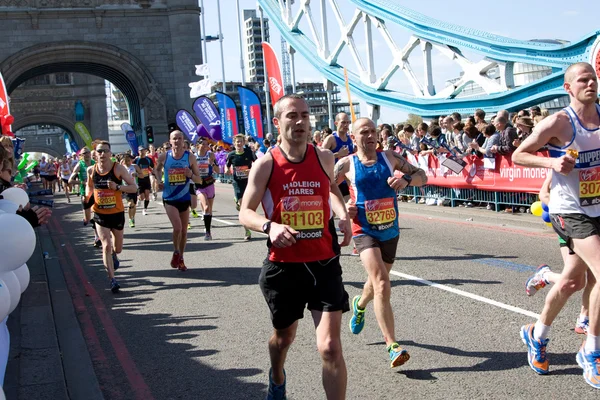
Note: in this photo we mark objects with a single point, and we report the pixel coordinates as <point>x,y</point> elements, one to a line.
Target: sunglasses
<point>101,151</point>
<point>84,153</point>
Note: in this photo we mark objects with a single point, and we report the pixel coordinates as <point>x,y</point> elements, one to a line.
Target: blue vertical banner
<point>229,120</point>
<point>251,110</point>
<point>70,144</point>
<point>208,116</point>
<point>68,147</point>
<point>187,124</point>
<point>131,137</point>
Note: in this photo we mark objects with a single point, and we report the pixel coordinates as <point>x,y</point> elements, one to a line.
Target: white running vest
<point>579,191</point>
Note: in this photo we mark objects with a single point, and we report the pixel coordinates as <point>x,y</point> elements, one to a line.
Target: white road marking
<point>435,285</point>
<point>226,222</point>
<point>466,294</point>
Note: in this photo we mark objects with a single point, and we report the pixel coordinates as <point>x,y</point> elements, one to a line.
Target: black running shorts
<point>289,287</point>
<point>111,221</point>
<point>575,226</point>
<point>181,206</point>
<point>387,247</point>
<point>143,185</point>
<point>132,197</point>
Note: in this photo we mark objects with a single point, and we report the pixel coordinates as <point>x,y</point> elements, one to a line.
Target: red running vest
<point>298,195</point>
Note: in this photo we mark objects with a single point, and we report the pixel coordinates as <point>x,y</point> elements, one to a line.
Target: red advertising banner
<point>498,174</point>
<point>274,73</point>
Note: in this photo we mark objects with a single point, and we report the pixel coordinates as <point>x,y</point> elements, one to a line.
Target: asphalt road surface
<point>457,293</point>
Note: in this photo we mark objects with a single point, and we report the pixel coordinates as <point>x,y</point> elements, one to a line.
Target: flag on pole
<point>276,88</point>
<point>202,70</point>
<point>251,110</point>
<point>199,88</point>
<point>349,95</point>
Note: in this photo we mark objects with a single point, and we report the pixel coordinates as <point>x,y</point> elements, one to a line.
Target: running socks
<point>207,222</point>
<point>592,343</point>
<point>146,202</point>
<point>540,331</point>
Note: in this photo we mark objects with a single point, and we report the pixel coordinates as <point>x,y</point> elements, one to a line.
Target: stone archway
<point>48,150</point>
<point>49,119</point>
<point>106,61</point>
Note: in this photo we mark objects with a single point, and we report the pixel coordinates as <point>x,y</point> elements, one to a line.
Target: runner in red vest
<point>294,181</point>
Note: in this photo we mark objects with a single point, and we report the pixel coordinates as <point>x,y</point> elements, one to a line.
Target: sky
<point>533,19</point>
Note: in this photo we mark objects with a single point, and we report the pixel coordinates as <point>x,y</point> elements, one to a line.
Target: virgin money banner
<point>5,117</point>
<point>229,120</point>
<point>273,72</point>
<point>131,138</point>
<point>209,117</point>
<point>251,111</point>
<point>187,125</point>
<point>497,174</point>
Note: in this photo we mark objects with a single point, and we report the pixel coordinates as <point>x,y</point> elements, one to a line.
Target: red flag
<point>5,118</point>
<point>274,73</point>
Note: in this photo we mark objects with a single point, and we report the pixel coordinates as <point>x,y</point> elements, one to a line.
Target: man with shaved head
<point>295,184</point>
<point>573,137</point>
<point>373,185</point>
<point>340,144</point>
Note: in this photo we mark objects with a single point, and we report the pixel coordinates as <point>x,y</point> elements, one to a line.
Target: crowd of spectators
<point>475,135</point>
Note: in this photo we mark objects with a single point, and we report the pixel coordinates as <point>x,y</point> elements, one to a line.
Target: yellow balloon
<point>536,209</point>
<point>549,224</point>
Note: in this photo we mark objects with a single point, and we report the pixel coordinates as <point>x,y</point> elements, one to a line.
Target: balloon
<point>546,216</point>
<point>4,300</point>
<point>545,207</point>
<point>23,276</point>
<point>16,195</point>
<point>215,133</point>
<point>23,162</point>
<point>8,206</point>
<point>16,248</point>
<point>536,209</point>
<point>202,132</point>
<point>32,166</point>
<point>12,283</point>
<point>549,224</point>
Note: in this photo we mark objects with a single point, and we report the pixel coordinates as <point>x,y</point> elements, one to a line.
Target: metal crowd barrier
<point>438,195</point>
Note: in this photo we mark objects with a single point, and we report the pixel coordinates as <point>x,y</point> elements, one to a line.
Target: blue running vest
<point>177,185</point>
<point>375,200</point>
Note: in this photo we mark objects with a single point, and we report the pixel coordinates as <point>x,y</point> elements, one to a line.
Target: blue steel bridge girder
<point>427,33</point>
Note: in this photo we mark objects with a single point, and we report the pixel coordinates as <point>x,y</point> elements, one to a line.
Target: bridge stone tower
<point>147,48</point>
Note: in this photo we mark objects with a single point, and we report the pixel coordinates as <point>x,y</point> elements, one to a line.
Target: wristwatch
<point>266,227</point>
<point>118,187</point>
<point>407,178</point>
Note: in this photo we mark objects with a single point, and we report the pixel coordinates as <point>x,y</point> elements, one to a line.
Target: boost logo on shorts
<point>290,203</point>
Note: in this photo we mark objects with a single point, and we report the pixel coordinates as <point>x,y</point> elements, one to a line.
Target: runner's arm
<point>89,184</point>
<point>159,168</point>
<point>337,200</point>
<point>549,130</point>
<point>195,171</point>
<point>340,170</point>
<point>138,170</point>
<point>131,187</point>
<point>419,177</point>
<point>545,190</point>
<point>74,173</point>
<point>255,190</point>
